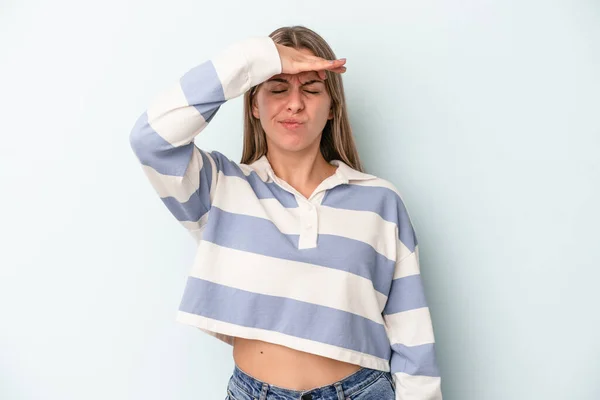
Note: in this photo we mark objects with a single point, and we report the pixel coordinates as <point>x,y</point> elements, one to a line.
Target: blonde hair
<point>337,141</point>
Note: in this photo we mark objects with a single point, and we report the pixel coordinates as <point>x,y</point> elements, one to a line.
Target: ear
<point>330,116</point>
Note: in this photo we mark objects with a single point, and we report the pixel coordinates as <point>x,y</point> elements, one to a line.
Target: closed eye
<point>281,91</point>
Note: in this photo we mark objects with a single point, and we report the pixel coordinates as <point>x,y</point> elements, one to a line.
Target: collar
<point>346,173</point>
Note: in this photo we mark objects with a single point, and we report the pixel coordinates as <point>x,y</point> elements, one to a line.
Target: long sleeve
<point>408,324</point>
<point>162,138</point>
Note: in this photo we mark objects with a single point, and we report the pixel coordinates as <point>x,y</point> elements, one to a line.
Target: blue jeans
<point>364,384</point>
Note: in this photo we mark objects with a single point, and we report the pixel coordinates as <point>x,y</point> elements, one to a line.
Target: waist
<point>286,367</point>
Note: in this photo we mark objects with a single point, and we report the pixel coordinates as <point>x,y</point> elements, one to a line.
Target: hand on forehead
<point>301,77</point>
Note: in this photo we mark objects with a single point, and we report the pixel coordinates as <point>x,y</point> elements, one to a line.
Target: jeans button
<point>307,396</point>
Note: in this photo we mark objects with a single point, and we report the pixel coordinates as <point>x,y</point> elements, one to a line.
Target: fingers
<point>321,63</point>
<point>331,64</point>
<point>340,70</point>
<point>338,63</point>
<point>294,61</point>
<point>323,75</point>
<point>336,66</point>
<point>317,64</point>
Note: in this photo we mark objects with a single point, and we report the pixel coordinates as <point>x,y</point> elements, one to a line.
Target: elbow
<point>138,137</point>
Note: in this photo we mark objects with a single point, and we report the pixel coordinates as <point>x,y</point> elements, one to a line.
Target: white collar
<point>346,173</point>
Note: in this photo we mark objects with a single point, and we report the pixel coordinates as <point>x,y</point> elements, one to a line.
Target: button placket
<point>309,226</point>
<point>312,218</point>
<point>309,216</point>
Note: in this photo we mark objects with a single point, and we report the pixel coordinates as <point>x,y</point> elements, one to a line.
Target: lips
<point>291,124</point>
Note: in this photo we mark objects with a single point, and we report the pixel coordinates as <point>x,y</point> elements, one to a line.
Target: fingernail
<point>331,61</point>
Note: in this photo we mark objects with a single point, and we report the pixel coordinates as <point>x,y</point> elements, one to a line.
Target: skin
<point>295,157</point>
<point>294,153</point>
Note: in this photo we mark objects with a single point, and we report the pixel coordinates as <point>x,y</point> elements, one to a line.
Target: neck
<point>303,170</point>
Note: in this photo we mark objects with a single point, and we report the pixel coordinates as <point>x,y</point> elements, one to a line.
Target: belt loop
<point>339,390</point>
<point>263,392</point>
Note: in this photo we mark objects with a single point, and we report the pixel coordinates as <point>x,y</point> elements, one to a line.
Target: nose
<point>295,101</point>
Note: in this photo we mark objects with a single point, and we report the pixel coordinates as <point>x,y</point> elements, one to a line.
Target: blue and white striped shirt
<point>336,274</point>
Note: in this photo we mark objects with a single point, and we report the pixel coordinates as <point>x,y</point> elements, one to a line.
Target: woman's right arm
<point>163,136</point>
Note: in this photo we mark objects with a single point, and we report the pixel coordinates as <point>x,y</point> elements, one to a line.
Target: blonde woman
<point>306,265</point>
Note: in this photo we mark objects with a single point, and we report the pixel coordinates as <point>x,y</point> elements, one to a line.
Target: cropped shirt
<point>335,274</point>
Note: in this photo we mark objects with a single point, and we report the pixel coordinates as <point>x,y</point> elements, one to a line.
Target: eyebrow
<point>304,84</point>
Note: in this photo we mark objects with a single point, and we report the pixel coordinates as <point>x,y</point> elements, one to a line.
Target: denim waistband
<point>348,385</point>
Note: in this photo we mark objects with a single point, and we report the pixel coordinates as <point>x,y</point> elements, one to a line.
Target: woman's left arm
<point>408,324</point>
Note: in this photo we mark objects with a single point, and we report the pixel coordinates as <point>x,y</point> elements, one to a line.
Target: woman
<point>305,264</point>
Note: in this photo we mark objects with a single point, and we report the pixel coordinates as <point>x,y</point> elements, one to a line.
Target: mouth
<point>291,125</point>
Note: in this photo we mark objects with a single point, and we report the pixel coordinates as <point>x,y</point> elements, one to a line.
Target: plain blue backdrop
<point>484,114</point>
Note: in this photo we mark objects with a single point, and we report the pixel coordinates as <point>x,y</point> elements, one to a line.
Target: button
<point>307,396</point>
<point>309,225</point>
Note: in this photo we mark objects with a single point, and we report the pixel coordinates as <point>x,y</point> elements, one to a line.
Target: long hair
<point>337,141</point>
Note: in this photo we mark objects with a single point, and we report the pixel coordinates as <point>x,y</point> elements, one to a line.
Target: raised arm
<point>162,138</point>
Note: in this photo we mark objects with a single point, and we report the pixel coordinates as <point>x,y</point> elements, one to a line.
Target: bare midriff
<point>286,367</point>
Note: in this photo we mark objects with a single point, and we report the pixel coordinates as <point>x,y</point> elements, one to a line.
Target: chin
<point>291,144</point>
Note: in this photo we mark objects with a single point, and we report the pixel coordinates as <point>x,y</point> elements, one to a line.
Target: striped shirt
<point>335,274</point>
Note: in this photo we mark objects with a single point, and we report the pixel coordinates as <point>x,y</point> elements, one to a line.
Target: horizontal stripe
<point>408,266</point>
<point>226,332</point>
<point>365,227</point>
<point>199,203</point>
<point>274,313</point>
<point>401,250</point>
<point>312,283</point>
<point>192,210</point>
<point>174,118</point>
<point>162,137</point>
<point>203,89</point>
<point>260,189</point>
<point>380,200</point>
<point>241,231</point>
<point>178,187</point>
<point>411,328</point>
<point>285,219</point>
<point>196,227</point>
<point>416,387</point>
<point>154,151</point>
<point>405,294</point>
<point>181,188</point>
<point>414,360</point>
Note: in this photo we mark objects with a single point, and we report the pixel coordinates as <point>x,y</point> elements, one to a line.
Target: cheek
<point>267,107</point>
<point>322,111</point>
